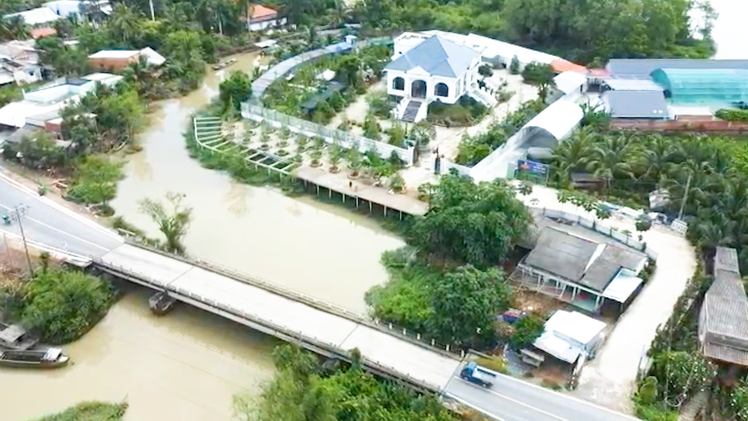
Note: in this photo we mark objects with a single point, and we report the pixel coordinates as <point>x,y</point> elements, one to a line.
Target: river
<point>187,365</point>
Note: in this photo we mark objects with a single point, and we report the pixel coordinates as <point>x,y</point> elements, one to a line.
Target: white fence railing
<point>604,229</point>
<point>308,128</point>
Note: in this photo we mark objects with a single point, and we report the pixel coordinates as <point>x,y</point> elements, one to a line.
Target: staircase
<point>411,111</point>
<point>482,96</point>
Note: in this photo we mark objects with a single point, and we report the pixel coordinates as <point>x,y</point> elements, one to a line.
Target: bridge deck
<point>296,318</point>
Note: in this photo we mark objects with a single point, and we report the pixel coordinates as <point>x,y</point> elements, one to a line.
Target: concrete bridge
<point>257,303</point>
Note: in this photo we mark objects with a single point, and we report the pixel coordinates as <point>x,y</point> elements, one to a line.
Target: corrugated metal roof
<point>726,258</point>
<point>725,311</point>
<point>562,254</point>
<point>437,56</point>
<point>35,16</point>
<point>644,67</point>
<point>576,259</point>
<point>633,85</point>
<point>635,104</point>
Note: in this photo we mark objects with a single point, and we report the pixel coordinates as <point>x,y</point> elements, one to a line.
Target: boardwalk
<point>330,332</point>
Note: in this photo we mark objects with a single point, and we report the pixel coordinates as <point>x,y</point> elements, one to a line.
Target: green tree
<point>466,303</point>
<point>235,90</point>
<point>62,305</point>
<point>95,180</point>
<point>172,218</point>
<point>470,223</point>
<point>527,330</point>
<point>514,66</point>
<point>612,159</point>
<point>538,74</point>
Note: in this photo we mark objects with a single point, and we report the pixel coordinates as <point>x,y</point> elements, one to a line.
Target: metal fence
<point>308,128</point>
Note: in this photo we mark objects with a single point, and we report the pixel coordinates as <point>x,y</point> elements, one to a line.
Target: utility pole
<point>18,213</point>
<point>153,15</point>
<point>685,198</point>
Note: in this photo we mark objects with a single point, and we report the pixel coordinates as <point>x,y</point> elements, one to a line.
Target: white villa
<point>443,66</point>
<point>435,69</point>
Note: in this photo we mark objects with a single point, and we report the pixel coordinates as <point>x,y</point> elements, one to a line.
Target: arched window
<point>418,89</point>
<point>398,84</point>
<point>441,89</point>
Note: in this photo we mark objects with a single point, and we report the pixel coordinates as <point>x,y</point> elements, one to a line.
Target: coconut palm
<point>612,158</point>
<point>124,23</point>
<point>657,157</point>
<point>574,153</point>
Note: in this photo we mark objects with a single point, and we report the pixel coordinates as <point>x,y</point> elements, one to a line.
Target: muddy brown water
<point>187,365</point>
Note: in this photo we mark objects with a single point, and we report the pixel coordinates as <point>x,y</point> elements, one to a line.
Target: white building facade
<point>436,69</point>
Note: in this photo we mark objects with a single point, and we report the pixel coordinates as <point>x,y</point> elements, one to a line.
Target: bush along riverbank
<point>57,303</point>
<point>90,411</point>
<point>303,388</point>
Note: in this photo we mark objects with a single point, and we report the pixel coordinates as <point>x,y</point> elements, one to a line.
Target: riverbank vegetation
<point>304,389</point>
<point>90,411</point>
<point>59,304</point>
<point>447,284</point>
<point>173,218</point>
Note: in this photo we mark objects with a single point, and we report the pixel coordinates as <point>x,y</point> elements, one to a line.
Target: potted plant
<point>397,183</point>
<point>316,156</point>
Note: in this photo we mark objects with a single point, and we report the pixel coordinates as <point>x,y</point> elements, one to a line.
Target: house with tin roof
<point>437,69</point>
<point>262,17</point>
<point>723,321</point>
<point>580,271</point>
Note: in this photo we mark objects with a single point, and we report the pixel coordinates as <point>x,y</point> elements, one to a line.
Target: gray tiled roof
<point>437,56</point>
<point>567,256</point>
<point>636,104</point>
<point>644,67</point>
<point>725,311</point>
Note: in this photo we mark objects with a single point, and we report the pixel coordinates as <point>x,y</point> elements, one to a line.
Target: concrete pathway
<point>609,379</point>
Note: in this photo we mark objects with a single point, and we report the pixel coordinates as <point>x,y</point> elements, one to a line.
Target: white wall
<point>261,26</point>
<point>456,90</point>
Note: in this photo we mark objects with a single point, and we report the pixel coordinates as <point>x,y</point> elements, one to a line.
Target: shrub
<point>537,73</point>
<point>732,115</point>
<point>514,66</point>
<point>485,70</point>
<point>527,330</point>
<point>62,305</point>
<point>90,411</point>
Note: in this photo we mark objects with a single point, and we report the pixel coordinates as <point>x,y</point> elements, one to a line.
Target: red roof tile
<point>260,12</point>
<point>37,33</point>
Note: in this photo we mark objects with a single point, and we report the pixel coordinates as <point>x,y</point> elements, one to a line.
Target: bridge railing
<point>284,332</point>
<point>408,335</point>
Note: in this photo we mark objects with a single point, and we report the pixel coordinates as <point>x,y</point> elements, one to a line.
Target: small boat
<point>16,338</point>
<point>161,303</point>
<point>45,358</point>
<point>224,64</point>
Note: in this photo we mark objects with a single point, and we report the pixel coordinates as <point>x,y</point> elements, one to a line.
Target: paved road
<point>51,224</point>
<point>511,399</point>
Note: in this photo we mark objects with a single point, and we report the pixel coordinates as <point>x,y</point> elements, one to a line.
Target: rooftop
<point>642,68</point>
<point>35,16</point>
<point>582,261</point>
<point>437,56</point>
<point>636,104</point>
<point>260,12</point>
<point>724,320</point>
<point>567,333</point>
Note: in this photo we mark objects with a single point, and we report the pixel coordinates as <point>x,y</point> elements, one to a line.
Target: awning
<point>622,286</point>
<point>559,348</point>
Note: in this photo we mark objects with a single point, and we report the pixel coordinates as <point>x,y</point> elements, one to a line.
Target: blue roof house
<point>437,69</point>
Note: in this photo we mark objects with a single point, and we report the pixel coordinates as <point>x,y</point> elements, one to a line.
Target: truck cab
<point>474,374</point>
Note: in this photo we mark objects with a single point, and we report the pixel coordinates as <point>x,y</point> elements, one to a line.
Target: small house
<point>262,17</point>
<point>569,336</point>
<point>118,60</point>
<point>580,271</point>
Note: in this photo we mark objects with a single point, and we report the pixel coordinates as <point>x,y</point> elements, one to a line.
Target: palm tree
<point>124,23</point>
<point>657,157</point>
<point>13,28</point>
<point>574,153</point>
<point>612,158</point>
